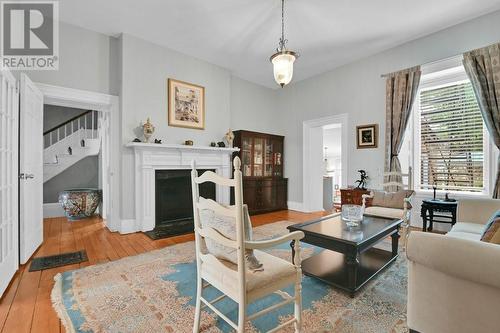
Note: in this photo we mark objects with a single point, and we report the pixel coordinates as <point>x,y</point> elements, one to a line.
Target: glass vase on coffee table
<point>352,215</point>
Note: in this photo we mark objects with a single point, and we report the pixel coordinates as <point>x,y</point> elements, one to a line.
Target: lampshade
<point>283,66</point>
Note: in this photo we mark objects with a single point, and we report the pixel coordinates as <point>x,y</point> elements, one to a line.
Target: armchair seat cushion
<point>391,199</point>
<point>468,227</point>
<point>392,213</point>
<point>223,275</point>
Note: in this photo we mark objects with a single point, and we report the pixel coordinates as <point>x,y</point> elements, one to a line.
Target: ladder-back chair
<point>237,281</point>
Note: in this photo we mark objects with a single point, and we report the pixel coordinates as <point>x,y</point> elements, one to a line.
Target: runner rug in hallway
<point>154,292</point>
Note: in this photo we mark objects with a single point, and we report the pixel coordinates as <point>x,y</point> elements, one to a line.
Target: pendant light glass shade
<point>283,59</point>
<point>283,67</point>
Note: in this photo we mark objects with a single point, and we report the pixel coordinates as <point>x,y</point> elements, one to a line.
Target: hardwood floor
<point>26,305</point>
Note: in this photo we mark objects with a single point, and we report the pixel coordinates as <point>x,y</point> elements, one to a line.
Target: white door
<point>103,129</point>
<point>9,167</point>
<point>31,168</point>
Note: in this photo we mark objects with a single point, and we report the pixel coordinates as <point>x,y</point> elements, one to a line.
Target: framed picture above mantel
<point>186,104</point>
<point>367,136</point>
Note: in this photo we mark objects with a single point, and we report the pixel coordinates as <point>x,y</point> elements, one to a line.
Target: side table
<point>432,206</point>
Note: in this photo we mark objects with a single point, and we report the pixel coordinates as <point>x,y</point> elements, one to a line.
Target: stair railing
<point>86,120</point>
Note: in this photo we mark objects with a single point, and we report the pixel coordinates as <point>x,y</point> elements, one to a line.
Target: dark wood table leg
<point>423,214</point>
<point>395,242</point>
<point>292,245</point>
<point>431,219</point>
<point>352,261</point>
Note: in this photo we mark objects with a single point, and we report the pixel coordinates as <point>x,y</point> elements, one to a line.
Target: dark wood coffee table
<point>349,259</point>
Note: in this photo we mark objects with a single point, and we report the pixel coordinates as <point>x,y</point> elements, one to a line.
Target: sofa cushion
<point>464,235</point>
<point>468,227</point>
<point>492,232</point>
<point>392,213</point>
<point>391,199</point>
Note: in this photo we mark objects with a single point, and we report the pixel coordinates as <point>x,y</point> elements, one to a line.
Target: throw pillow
<point>491,232</point>
<point>226,226</point>
<point>391,199</point>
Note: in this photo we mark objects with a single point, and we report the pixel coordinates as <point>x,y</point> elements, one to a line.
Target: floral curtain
<point>401,91</point>
<point>483,68</point>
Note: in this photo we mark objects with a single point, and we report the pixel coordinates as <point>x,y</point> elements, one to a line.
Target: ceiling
<point>240,35</point>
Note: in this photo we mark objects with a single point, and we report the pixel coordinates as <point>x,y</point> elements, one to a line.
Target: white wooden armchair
<point>236,281</point>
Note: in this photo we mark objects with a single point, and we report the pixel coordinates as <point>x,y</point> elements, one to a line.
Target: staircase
<point>70,142</point>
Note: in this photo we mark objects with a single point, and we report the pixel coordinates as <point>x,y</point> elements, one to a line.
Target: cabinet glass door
<point>268,159</point>
<point>247,156</point>
<point>258,157</point>
<point>278,159</point>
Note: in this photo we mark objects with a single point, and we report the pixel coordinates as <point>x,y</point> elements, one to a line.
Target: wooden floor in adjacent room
<point>26,305</point>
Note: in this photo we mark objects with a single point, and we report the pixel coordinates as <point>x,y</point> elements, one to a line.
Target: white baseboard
<point>294,205</point>
<point>52,210</point>
<point>127,226</point>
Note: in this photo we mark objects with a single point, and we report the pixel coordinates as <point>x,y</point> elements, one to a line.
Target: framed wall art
<point>367,136</point>
<point>186,104</point>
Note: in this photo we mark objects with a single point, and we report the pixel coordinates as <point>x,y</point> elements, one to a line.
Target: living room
<point>243,92</point>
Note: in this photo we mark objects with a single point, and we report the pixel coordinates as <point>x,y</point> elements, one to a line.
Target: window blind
<point>451,139</point>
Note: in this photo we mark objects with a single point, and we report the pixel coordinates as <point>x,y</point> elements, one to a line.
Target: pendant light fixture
<point>283,59</point>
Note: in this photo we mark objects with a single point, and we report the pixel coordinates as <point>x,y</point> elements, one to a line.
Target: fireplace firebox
<point>174,202</point>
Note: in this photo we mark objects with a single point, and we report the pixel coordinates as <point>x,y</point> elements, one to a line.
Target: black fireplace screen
<point>174,203</point>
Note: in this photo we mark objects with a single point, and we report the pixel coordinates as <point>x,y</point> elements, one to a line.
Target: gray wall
<point>254,107</point>
<point>80,175</point>
<point>87,60</point>
<point>358,89</point>
<point>229,102</point>
<point>138,70</point>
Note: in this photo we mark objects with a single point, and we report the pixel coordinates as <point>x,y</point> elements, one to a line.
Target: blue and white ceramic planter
<point>80,203</point>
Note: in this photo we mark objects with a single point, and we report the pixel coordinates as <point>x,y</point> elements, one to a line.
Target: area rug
<point>154,292</point>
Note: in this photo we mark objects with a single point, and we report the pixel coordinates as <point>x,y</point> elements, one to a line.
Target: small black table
<point>349,259</point>
<point>432,206</point>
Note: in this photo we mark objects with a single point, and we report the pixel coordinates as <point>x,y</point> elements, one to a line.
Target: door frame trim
<point>310,194</point>
<point>84,99</point>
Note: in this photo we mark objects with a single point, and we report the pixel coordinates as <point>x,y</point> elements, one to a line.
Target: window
<point>450,139</point>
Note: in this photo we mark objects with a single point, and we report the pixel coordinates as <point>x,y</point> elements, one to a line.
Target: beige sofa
<point>454,279</point>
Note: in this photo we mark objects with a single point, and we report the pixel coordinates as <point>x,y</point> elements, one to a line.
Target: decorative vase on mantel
<point>229,138</point>
<point>148,129</point>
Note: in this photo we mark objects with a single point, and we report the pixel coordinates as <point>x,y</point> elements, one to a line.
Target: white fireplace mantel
<point>150,157</point>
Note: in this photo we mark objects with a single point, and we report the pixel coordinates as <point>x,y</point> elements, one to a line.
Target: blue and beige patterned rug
<point>154,292</point>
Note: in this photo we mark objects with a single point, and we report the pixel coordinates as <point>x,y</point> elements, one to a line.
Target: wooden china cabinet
<point>264,187</point>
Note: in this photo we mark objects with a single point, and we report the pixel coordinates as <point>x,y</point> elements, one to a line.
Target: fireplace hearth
<point>174,204</point>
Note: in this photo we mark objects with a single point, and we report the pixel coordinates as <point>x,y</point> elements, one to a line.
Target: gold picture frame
<point>186,104</point>
<point>367,136</point>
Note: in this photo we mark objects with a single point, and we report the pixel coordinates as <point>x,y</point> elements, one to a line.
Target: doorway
<point>324,170</point>
<point>72,154</point>
<point>332,178</point>
<point>104,115</point>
